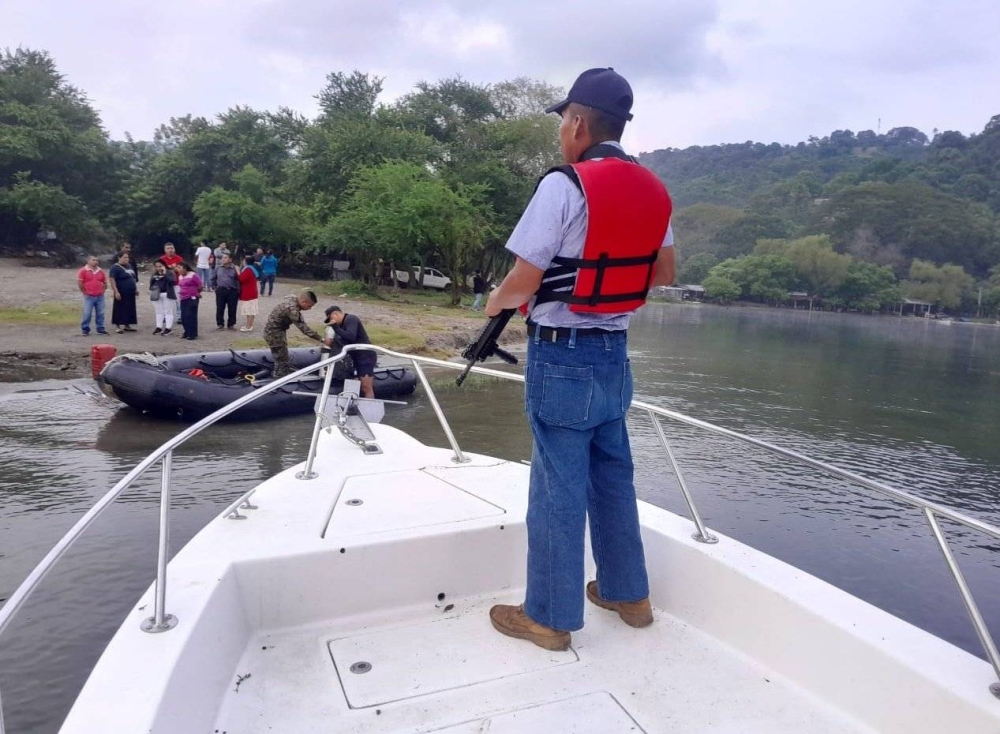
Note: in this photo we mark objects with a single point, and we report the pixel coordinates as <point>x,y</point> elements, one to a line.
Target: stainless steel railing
<point>161,621</point>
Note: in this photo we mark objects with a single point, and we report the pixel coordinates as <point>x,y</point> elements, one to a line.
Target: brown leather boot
<point>513,622</point>
<point>633,613</point>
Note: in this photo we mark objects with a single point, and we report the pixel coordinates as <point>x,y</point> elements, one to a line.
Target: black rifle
<point>485,346</point>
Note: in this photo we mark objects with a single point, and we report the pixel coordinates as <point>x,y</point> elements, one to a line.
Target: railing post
<point>459,457</point>
<point>308,472</point>
<point>970,604</point>
<point>702,536</point>
<point>161,621</point>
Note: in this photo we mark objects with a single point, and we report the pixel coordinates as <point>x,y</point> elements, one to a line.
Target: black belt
<point>551,334</point>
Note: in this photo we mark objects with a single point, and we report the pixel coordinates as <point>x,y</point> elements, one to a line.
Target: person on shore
<point>124,282</point>
<point>202,256</point>
<point>189,288</point>
<point>478,289</point>
<point>247,307</point>
<point>92,283</point>
<point>170,257</point>
<point>287,313</point>
<point>258,256</point>
<point>163,285</point>
<point>348,329</point>
<point>599,207</point>
<point>226,282</point>
<point>269,271</point>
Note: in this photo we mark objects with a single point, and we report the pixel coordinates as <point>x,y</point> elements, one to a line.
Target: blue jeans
<point>577,391</point>
<point>267,280</point>
<point>206,275</point>
<point>92,304</point>
<point>477,301</point>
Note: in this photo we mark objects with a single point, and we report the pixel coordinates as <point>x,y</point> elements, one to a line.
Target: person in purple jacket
<point>189,288</point>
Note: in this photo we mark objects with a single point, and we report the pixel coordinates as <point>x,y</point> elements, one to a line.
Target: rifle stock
<point>485,346</point>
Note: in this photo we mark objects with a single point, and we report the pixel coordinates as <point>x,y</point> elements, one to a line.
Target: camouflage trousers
<point>278,343</point>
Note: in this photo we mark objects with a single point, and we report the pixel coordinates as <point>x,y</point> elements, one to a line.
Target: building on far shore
<point>801,297</point>
<point>666,293</point>
<point>692,292</point>
<point>914,307</point>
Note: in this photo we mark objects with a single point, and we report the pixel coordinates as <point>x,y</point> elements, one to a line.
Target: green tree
<point>443,110</point>
<point>349,95</point>
<point>53,151</point>
<point>722,289</point>
<point>695,268</point>
<point>403,212</point>
<point>816,266</point>
<point>248,215</point>
<point>991,302</point>
<point>524,97</point>
<point>944,285</point>
<point>868,287</point>
<point>765,278</point>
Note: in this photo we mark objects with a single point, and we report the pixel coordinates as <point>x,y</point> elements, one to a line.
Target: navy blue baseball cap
<point>602,89</point>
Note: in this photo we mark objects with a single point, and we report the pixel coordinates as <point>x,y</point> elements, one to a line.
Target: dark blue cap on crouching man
<point>602,89</point>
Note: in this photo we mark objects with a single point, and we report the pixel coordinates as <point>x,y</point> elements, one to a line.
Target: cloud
<point>663,42</point>
<point>703,72</point>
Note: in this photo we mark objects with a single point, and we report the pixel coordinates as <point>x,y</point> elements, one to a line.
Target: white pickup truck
<point>433,278</point>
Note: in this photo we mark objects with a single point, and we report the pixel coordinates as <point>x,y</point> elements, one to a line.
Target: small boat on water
<point>192,386</point>
<point>349,594</point>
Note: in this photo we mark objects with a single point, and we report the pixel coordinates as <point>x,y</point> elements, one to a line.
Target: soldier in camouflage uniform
<point>287,313</point>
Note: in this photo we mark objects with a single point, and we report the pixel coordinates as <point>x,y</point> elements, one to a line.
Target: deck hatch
<point>433,656</point>
<point>380,503</point>
<point>594,713</point>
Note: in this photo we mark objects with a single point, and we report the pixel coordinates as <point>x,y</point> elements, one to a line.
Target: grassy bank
<point>42,314</point>
<point>411,301</point>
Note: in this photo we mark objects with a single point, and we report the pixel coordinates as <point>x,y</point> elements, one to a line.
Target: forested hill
<point>734,174</point>
<point>886,198</point>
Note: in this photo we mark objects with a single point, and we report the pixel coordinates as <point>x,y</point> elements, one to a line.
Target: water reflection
<point>906,401</point>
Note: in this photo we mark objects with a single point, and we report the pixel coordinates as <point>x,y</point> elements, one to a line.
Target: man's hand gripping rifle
<point>485,346</point>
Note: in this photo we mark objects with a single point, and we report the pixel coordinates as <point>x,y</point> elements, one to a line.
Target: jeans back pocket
<point>566,394</point>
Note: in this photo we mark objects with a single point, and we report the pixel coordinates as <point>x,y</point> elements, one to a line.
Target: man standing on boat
<point>288,313</point>
<point>594,238</point>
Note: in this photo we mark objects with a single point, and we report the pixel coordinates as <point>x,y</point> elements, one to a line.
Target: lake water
<point>910,402</point>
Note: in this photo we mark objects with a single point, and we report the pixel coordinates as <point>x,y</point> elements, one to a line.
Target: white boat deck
<point>452,672</point>
<point>275,610</point>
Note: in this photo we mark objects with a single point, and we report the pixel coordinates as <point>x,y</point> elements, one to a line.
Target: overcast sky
<point>703,71</point>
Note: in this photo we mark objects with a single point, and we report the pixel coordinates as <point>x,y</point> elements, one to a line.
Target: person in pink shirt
<point>189,287</point>
<point>92,283</point>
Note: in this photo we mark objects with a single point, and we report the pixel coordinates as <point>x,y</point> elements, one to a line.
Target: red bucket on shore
<point>100,355</point>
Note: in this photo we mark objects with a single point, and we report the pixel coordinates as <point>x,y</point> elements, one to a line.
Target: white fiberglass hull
<point>275,611</point>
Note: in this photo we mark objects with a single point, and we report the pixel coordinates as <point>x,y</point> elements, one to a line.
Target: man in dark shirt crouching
<point>348,329</point>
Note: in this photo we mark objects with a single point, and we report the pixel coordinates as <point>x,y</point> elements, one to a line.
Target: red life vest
<point>628,210</point>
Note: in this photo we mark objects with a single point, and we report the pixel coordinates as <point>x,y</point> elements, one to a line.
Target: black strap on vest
<point>601,150</point>
<point>562,272</point>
